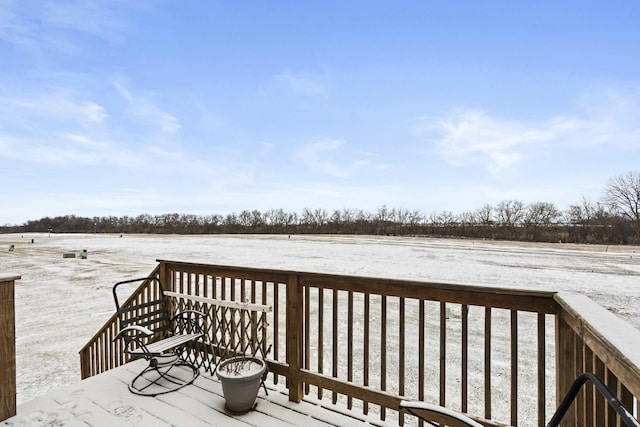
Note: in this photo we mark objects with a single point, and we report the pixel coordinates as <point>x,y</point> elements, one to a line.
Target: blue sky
<point>130,107</point>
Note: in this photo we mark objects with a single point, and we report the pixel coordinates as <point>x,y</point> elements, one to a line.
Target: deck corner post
<point>7,347</point>
<point>85,364</point>
<point>566,363</point>
<point>295,342</point>
<point>164,277</point>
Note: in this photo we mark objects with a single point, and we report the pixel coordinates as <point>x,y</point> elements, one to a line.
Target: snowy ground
<point>62,302</point>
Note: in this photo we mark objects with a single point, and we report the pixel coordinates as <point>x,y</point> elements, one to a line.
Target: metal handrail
<point>623,413</point>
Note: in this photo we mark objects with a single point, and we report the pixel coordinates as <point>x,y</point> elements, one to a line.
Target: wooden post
<point>7,347</point>
<point>295,342</point>
<point>164,277</point>
<point>85,363</point>
<point>566,368</point>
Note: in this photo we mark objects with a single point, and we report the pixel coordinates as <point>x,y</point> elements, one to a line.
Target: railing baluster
<point>542,368</point>
<point>276,327</point>
<point>243,298</point>
<point>600,403</point>
<point>307,333</point>
<point>514,368</point>
<point>627,399</point>
<point>588,390</point>
<point>349,343</point>
<point>443,354</point>
<point>421,346</point>
<point>320,336</point>
<point>487,363</point>
<point>109,350</point>
<point>401,352</point>
<point>465,358</point>
<point>612,382</point>
<point>334,349</point>
<point>263,301</point>
<point>365,353</point>
<point>383,350</point>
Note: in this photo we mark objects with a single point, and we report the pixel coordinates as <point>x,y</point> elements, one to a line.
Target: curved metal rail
<point>625,416</point>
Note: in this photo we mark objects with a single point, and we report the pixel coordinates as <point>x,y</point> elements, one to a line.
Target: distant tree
<point>306,218</point>
<point>484,215</point>
<point>320,217</point>
<point>541,214</point>
<point>447,218</point>
<point>510,212</point>
<point>383,215</point>
<point>256,218</point>
<point>467,218</point>
<point>433,219</point>
<point>348,216</point>
<point>416,218</point>
<point>244,218</point>
<point>538,217</point>
<point>231,223</point>
<point>622,194</point>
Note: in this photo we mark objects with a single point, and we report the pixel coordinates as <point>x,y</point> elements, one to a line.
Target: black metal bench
<point>150,332</point>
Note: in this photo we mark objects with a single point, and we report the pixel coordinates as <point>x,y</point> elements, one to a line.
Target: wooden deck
<point>104,400</point>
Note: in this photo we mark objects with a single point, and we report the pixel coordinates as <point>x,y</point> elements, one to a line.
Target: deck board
<point>104,400</point>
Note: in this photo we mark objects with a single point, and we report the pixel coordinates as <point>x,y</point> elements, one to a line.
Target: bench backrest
<point>149,309</point>
<point>231,327</point>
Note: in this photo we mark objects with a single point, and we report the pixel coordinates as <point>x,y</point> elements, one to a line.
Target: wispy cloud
<point>315,156</point>
<point>473,136</point>
<point>13,29</point>
<point>613,114</point>
<point>60,104</point>
<point>306,84</point>
<point>92,17</point>
<point>144,108</point>
<point>59,127</point>
<point>55,127</point>
<point>85,141</point>
<point>328,157</point>
<point>54,25</point>
<point>266,147</point>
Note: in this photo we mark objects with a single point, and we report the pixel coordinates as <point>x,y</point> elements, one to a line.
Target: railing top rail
<point>483,295</point>
<point>612,339</point>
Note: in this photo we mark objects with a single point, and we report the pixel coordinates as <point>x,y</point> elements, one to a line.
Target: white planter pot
<point>240,377</point>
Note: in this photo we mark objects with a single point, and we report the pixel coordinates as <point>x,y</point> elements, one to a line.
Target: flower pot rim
<point>253,374</point>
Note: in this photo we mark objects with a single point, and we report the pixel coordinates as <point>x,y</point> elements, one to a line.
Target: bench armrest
<point>133,338</point>
<point>140,329</point>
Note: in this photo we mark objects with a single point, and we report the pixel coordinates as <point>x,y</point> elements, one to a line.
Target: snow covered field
<point>61,302</point>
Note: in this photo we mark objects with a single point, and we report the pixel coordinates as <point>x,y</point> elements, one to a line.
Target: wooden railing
<point>503,356</point>
<point>7,347</point>
<point>592,339</point>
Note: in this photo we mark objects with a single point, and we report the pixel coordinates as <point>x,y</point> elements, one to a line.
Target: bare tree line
<point>613,220</point>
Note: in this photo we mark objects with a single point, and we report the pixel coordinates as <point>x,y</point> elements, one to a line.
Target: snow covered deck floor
<point>104,400</point>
